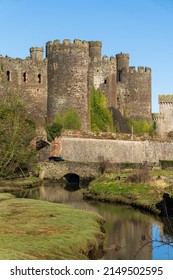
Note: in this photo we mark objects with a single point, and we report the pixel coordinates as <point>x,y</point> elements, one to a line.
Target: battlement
<point>68,43</point>
<point>123,56</point>
<point>95,44</point>
<point>111,59</point>
<point>167,98</point>
<point>157,116</point>
<point>140,70</point>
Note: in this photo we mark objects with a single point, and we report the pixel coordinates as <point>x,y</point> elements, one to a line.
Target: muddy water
<point>131,234</point>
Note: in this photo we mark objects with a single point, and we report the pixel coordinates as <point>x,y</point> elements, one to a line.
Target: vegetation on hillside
<point>16,133</point>
<point>100,116</point>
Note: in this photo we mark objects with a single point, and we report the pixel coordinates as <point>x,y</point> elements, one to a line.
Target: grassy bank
<point>33,229</point>
<point>18,184</point>
<point>145,196</point>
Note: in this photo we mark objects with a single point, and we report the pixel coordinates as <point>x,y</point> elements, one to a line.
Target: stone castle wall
<point>133,89</point>
<point>89,150</point>
<point>75,68</point>
<point>27,78</point>
<point>163,119</point>
<point>67,76</point>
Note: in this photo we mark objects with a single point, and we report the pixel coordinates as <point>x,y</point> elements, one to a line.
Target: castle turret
<point>122,61</point>
<point>68,78</point>
<point>95,50</point>
<point>36,53</point>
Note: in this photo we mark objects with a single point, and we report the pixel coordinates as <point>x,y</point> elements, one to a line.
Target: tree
<point>16,133</point>
<point>101,117</point>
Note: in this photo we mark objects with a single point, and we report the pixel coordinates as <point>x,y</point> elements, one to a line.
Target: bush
<point>140,176</point>
<point>71,120</point>
<point>166,164</point>
<point>104,164</point>
<point>100,116</point>
<point>141,127</point>
<point>53,131</point>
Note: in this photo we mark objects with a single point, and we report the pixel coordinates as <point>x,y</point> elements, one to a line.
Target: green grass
<point>33,229</point>
<point>160,172</point>
<point>18,184</point>
<point>139,195</point>
<point>5,196</point>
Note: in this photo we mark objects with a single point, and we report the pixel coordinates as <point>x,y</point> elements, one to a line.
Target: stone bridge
<point>72,171</point>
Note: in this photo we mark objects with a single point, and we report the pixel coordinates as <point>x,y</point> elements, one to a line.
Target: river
<point>131,234</point>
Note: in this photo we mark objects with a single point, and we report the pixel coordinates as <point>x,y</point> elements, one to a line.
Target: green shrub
<point>100,116</point>
<point>141,127</point>
<point>53,131</point>
<point>71,120</point>
<point>166,164</point>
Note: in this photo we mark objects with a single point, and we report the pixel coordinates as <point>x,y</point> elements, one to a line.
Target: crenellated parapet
<point>108,62</point>
<point>165,99</point>
<point>139,70</point>
<point>157,116</point>
<point>67,43</point>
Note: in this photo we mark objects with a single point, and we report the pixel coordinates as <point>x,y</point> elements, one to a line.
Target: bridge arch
<point>72,178</point>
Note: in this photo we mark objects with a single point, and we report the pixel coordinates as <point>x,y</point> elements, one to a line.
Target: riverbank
<point>150,196</point>
<point>33,229</point>
<point>10,185</point>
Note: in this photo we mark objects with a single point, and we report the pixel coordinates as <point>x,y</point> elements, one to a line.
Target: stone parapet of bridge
<point>58,170</point>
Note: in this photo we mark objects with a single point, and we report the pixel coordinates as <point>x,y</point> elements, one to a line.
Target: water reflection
<point>129,232</point>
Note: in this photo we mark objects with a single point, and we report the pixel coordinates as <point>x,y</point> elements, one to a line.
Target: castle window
<point>119,76</point>
<point>8,76</point>
<point>24,77</point>
<point>105,82</point>
<point>39,78</point>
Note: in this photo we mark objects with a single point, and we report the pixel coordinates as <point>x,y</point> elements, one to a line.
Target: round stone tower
<point>122,66</point>
<point>36,53</point>
<point>68,78</point>
<point>95,50</point>
<point>122,61</point>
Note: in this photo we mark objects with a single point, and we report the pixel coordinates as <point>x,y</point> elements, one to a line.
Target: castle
<point>163,119</point>
<point>67,76</point>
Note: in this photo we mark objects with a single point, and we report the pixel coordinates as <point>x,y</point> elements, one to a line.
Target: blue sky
<point>142,28</point>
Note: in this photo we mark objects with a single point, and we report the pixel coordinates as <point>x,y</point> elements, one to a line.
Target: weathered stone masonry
<point>164,119</point>
<point>89,150</point>
<point>27,78</point>
<point>68,74</point>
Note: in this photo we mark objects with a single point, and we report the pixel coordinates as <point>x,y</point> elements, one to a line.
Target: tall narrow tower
<point>68,78</point>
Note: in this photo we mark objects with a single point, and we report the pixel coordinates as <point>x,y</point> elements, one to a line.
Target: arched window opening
<point>8,76</point>
<point>39,78</point>
<point>24,77</point>
<point>119,76</point>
